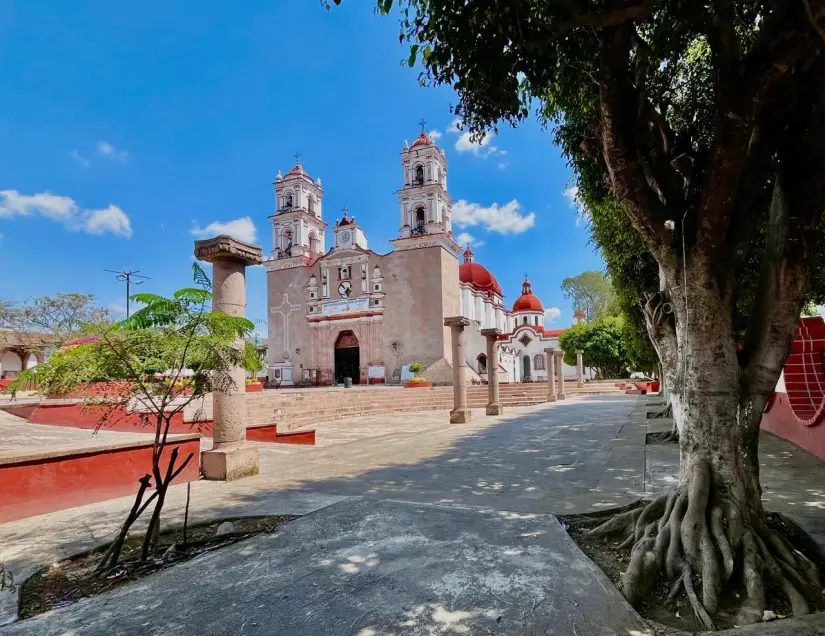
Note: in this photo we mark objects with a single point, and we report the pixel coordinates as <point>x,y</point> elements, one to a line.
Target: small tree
<point>253,362</point>
<point>166,355</point>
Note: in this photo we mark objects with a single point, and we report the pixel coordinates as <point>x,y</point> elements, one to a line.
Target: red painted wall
<point>797,410</point>
<point>117,419</point>
<point>38,486</point>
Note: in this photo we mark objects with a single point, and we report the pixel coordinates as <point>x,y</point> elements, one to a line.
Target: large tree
<point>703,123</point>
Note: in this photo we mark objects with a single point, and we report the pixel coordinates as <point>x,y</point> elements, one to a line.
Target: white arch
<point>31,361</point>
<point>10,362</point>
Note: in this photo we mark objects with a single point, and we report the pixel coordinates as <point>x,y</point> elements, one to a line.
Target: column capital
<point>491,333</point>
<point>559,353</point>
<point>225,247</point>
<point>580,351</point>
<point>456,321</point>
<point>550,350</point>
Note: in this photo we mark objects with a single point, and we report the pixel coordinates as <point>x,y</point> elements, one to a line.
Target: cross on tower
<point>346,210</point>
<point>297,158</point>
<point>423,124</point>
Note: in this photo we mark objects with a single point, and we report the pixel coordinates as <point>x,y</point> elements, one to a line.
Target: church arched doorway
<point>347,357</point>
<point>525,368</point>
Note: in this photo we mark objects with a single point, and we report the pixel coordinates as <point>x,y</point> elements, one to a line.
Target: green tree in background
<point>602,343</point>
<point>590,292</point>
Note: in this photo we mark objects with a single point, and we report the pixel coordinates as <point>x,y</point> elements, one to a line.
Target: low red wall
<point>36,485</point>
<point>780,419</point>
<point>4,383</point>
<point>112,419</point>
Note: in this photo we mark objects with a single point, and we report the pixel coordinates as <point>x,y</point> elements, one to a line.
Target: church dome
<point>527,301</point>
<point>298,170</point>
<point>477,276</point>
<point>423,140</point>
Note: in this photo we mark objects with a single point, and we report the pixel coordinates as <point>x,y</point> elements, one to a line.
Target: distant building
<point>348,311</point>
<point>21,350</point>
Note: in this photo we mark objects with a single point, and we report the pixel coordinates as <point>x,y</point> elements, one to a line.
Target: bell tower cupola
<point>297,225</point>
<point>425,206</point>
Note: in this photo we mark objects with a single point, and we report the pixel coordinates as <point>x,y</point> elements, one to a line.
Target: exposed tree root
<point>699,538</point>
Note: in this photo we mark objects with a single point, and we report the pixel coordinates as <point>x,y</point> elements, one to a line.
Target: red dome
<point>298,169</point>
<point>479,277</point>
<point>423,140</point>
<point>527,301</point>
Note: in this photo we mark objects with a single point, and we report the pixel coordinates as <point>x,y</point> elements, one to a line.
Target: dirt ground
<point>677,613</point>
<point>68,581</point>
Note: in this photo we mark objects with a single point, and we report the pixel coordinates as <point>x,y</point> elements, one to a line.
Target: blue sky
<point>127,127</point>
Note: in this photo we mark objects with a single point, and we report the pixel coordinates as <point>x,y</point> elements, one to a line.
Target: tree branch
<point>619,119</point>
<point>613,16</point>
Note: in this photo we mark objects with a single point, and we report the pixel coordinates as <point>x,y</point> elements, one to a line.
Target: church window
<point>377,287</point>
<point>312,294</point>
<point>311,309</point>
<point>482,363</point>
<point>313,242</point>
<point>538,362</point>
<point>419,175</point>
<point>311,204</point>
<point>524,320</point>
<point>343,273</point>
<point>536,318</point>
<point>525,340</point>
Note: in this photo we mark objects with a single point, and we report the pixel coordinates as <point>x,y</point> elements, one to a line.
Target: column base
<point>561,396</point>
<point>551,398</point>
<point>460,416</point>
<point>494,409</point>
<point>230,464</point>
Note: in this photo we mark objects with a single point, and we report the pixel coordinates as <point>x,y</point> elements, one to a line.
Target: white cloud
<point>551,314</point>
<point>435,135</point>
<point>480,147</point>
<point>80,159</point>
<point>502,165</point>
<point>117,308</point>
<point>65,210</point>
<point>505,219</point>
<point>105,149</point>
<point>242,229</point>
<point>465,239</point>
<point>111,219</point>
<point>575,202</point>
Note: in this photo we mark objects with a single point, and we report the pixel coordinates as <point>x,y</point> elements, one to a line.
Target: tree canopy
<point>590,292</point>
<point>63,316</point>
<point>602,344</point>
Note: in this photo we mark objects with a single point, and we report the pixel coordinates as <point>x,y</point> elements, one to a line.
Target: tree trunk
<point>714,520</point>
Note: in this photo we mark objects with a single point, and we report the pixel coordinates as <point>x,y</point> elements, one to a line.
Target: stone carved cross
<point>284,310</point>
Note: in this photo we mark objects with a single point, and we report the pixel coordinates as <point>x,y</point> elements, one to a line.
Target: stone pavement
<point>456,486</point>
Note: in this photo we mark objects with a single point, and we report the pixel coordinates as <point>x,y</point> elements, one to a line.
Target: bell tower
<point>297,225</point>
<point>425,206</point>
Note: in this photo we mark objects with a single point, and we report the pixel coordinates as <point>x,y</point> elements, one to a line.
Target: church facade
<point>347,311</point>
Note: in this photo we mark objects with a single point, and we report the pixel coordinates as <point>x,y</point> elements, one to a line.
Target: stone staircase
<point>306,408</point>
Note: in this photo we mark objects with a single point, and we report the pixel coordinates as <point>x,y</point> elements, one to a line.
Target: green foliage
<point>252,361</point>
<point>591,292</point>
<point>172,347</point>
<point>603,345</point>
<point>417,368</point>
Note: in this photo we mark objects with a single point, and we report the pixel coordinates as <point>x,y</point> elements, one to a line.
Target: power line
<point>126,276</point>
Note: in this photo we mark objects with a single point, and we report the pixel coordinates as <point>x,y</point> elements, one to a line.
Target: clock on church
<point>345,237</point>
<point>345,289</point>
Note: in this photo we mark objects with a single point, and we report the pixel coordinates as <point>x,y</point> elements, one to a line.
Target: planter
<point>254,387</point>
<point>418,385</point>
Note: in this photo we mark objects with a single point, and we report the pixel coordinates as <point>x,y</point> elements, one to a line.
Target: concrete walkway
<point>475,502</point>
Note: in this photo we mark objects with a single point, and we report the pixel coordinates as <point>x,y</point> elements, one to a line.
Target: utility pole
<point>127,275</point>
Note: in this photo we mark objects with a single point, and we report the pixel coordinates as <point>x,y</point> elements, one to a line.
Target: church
<point>347,311</point>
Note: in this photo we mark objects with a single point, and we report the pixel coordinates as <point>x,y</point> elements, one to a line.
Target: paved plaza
<point>411,526</point>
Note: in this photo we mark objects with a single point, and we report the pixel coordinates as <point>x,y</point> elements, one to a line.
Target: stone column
<point>551,374</point>
<point>579,368</point>
<point>460,413</point>
<point>230,457</point>
<point>494,406</point>
<point>561,395</point>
